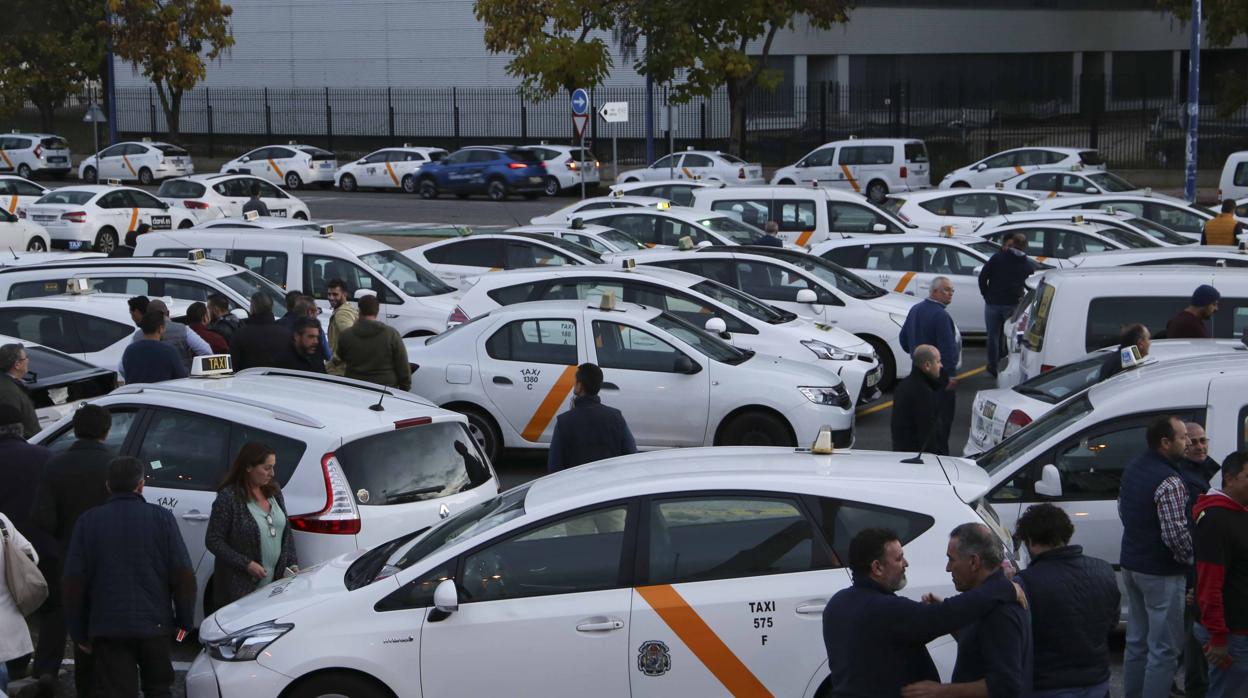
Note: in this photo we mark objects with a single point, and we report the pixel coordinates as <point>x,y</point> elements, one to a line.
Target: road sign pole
<point>582,156</point>
<point>615,157</point>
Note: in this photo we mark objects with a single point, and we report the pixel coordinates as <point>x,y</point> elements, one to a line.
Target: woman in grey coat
<point>248,532</point>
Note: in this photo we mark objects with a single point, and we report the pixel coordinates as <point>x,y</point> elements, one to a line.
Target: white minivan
<point>870,166</point>
<point>806,215</point>
<point>1233,184</point>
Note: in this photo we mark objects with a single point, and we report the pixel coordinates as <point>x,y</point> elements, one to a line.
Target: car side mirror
<point>977,269</point>
<point>807,296</point>
<point>445,601</point>
<point>981,167</point>
<point>1050,483</point>
<point>716,326</point>
<point>684,364</point>
<point>244,159</point>
<point>800,164</point>
<point>164,205</point>
<point>360,161</point>
<point>879,228</point>
<point>361,292</point>
<point>1091,190</point>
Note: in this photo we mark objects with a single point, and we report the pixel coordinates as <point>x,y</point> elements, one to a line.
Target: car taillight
<point>38,151</point>
<point>597,164</point>
<point>457,317</point>
<point>903,171</point>
<point>75,217</point>
<point>571,164</point>
<point>339,515</point>
<point>517,165</point>
<point>195,204</point>
<point>1017,420</point>
<point>1045,368</point>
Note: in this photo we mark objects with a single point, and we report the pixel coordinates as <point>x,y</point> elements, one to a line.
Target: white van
<point>870,166</point>
<point>413,300</point>
<point>1075,311</point>
<point>806,215</point>
<point>1233,184</point>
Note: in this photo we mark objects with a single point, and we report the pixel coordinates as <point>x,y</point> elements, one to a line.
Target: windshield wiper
<point>1028,390</point>
<point>746,355</point>
<point>411,495</point>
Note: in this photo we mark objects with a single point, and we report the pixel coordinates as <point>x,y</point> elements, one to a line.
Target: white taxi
<point>804,215</point>
<point>678,191</point>
<point>293,165</point>
<point>567,167</point>
<point>388,168</point>
<point>17,234</point>
<point>1051,240</point>
<point>963,209</point>
<point>1017,161</point>
<point>598,238</point>
<point>744,322</point>
<point>145,161</point>
<point>1175,214</point>
<point>998,413</point>
<point>1189,255</point>
<point>512,371</point>
<point>665,227</point>
<point>257,222</point>
<point>700,572</point>
<point>1050,183</point>
<point>700,165</point>
<point>873,167</point>
<point>1116,219</point>
<point>212,196</point>
<point>90,216</point>
<point>459,261</point>
<point>28,154</point>
<point>16,192</point>
<point>598,203</point>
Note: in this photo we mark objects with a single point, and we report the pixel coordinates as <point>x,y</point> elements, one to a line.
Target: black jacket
<point>1074,602</point>
<point>259,342</point>
<point>21,467</point>
<point>997,649</point>
<point>915,414</point>
<point>73,482</point>
<point>234,540</point>
<point>126,573</point>
<point>226,326</point>
<point>769,241</point>
<point>298,361</point>
<point>875,639</point>
<point>588,432</point>
<point>15,393</point>
<point>1001,280</point>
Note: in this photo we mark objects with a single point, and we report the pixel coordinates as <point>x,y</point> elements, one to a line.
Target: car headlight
<point>823,350</point>
<point>834,395</point>
<point>899,319</point>
<point>246,644</point>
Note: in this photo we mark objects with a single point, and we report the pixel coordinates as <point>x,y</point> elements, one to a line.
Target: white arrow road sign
<point>614,112</point>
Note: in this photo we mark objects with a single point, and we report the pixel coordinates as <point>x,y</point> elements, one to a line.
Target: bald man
<point>915,406</point>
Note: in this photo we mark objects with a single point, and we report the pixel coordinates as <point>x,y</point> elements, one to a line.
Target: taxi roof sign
<point>685,243</point>
<point>1130,357</point>
<point>946,231</point>
<point>212,366</point>
<point>113,182</point>
<point>251,215</point>
<point>196,255</point>
<point>327,230</point>
<point>823,445</point>
<point>629,264</point>
<point>578,223</point>
<point>663,205</point>
<point>77,286</point>
<point>1076,219</point>
<point>608,301</point>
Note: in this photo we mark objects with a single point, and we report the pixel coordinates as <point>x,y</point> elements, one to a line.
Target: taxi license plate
<point>277,212</point>
<point>56,158</point>
<point>535,180</point>
<point>326,165</point>
<point>990,410</point>
<point>43,219</point>
<point>162,222</point>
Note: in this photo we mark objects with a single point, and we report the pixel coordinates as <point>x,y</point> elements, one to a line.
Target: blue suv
<point>493,171</point>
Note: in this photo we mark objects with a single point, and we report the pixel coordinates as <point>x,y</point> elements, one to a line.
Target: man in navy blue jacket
<point>589,431</point>
<point>930,323</point>
<point>875,639</point>
<point>128,586</point>
<point>1001,283</point>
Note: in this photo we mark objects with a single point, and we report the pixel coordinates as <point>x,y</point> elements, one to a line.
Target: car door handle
<point>499,380</point>
<point>812,607</point>
<point>610,386</point>
<point>599,624</point>
<point>391,316</point>
<point>194,515</point>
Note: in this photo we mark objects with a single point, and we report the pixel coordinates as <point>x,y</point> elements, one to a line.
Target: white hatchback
<point>566,214</point>
<point>212,196</point>
<point>963,209</point>
<point>598,238</point>
<point>1050,183</point>
<point>292,165</point>
<point>90,216</point>
<point>1009,163</point>
<point>17,234</point>
<point>1176,214</point>
<point>388,168</point>
<point>16,192</point>
<point>665,228</point>
<point>678,191</point>
<point>567,167</point>
<point>28,154</point>
<point>144,161</point>
<point>459,261</point>
<point>710,166</point>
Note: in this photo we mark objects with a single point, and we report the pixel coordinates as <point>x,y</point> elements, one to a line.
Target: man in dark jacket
<point>186,343</point>
<point>1190,322</point>
<point>1222,579</point>
<point>1197,470</point>
<point>150,360</point>
<point>930,323</point>
<point>373,350</point>
<point>197,322</point>
<point>1137,336</point>
<point>1001,283</point>
<point>260,341</point>
<point>1155,556</point>
<point>770,236</point>
<point>303,307</point>
<point>129,585</point>
<point>914,418</point>
<point>21,465</point>
<point>874,638</point>
<point>304,353</point>
<point>255,203</point>
<point>1074,603</point>
<point>14,365</point>
<point>220,319</point>
<point>73,482</point>
<point>589,431</point>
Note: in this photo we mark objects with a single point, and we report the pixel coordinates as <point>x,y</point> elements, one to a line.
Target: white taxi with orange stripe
<point>292,165</point>
<point>698,165</point>
<point>701,572</point>
<point>872,167</point>
<point>209,197</point>
<point>144,162</point>
<point>805,215</point>
<point>1009,163</point>
<point>17,234</point>
<point>964,209</point>
<point>16,192</point>
<point>388,168</point>
<point>512,370</point>
<point>98,217</point>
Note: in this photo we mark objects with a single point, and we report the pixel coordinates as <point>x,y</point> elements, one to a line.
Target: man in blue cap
<point>1190,322</point>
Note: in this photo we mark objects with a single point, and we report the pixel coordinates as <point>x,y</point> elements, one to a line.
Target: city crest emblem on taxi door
<point>653,659</point>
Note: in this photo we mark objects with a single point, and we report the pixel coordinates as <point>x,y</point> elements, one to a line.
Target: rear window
<point>1241,174</point>
<point>317,153</point>
<point>436,154</point>
<point>524,155</point>
<point>1063,381</point>
<point>916,152</point>
<point>45,363</point>
<point>509,295</point>
<point>893,204</point>
<point>733,159</point>
<point>180,189</point>
<point>172,151</point>
<point>1091,157</point>
<point>62,196</point>
<point>54,143</point>
<point>1033,338</point>
<point>413,464</point>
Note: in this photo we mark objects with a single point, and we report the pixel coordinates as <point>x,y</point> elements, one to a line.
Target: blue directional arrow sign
<point>580,102</point>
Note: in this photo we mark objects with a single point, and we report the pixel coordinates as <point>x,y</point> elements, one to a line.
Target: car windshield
<point>1159,231</point>
<point>727,157</point>
<point>737,300</point>
<point>1129,238</point>
<point>1111,182</point>
<point>733,229</point>
<point>985,247</point>
<point>1025,439</point>
<point>405,274</point>
<point>622,240</point>
<point>893,204</point>
<point>248,282</point>
<point>62,196</point>
<point>711,347</point>
<point>1064,381</point>
<point>833,274</point>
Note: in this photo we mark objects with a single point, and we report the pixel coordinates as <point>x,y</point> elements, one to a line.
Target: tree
<point>44,58</point>
<point>1224,20</point>
<point>707,43</point>
<point>169,40</point>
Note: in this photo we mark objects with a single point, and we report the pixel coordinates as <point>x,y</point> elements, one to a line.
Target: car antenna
<point>13,253</point>
<point>378,407</point>
<point>918,457</point>
<point>512,213</point>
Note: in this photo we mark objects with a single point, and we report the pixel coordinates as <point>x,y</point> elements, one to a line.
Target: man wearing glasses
<point>1196,469</point>
<point>15,364</point>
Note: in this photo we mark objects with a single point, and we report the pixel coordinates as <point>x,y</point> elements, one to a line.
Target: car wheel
<point>145,176</point>
<point>496,190</point>
<point>428,188</point>
<point>409,184</point>
<point>88,174</point>
<point>960,185</point>
<point>184,225</point>
<point>755,429</point>
<point>23,171</point>
<point>552,186</point>
<point>293,180</point>
<point>299,216</point>
<point>37,245</point>
<point>630,180</point>
<point>347,183</point>
<point>482,427</point>
<point>877,191</point>
<point>888,365</point>
<point>338,685</point>
<point>106,240</point>
<point>786,182</point>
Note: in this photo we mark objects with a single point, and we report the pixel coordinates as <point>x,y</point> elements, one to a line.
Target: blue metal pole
<point>112,91</point>
<point>1193,104</point>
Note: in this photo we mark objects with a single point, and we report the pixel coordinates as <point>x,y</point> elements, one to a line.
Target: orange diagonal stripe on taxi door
<point>13,204</point>
<point>905,281</point>
<point>8,164</point>
<point>393,177</point>
<point>276,169</point>
<point>134,218</point>
<point>702,641</point>
<point>550,405</point>
<point>852,182</point>
<point>130,167</point>
<point>804,237</point>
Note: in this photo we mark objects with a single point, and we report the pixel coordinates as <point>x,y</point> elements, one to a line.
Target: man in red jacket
<point>1221,544</point>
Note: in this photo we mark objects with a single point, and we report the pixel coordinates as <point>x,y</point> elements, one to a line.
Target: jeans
<point>1195,671</point>
<point>1233,681</point>
<point>4,678</point>
<point>1100,690</point>
<point>994,319</point>
<point>1155,607</point>
<point>121,664</point>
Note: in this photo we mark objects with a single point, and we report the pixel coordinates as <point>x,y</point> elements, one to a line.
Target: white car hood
<point>894,303</point>
<point>783,374</point>
<point>311,586</point>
